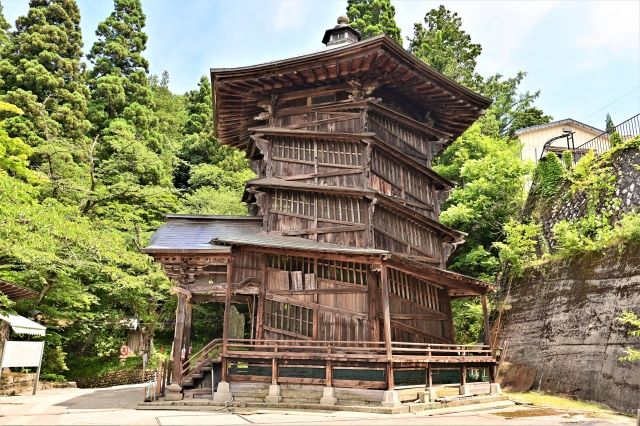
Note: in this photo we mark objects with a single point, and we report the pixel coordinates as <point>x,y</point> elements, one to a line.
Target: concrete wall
<point>563,323</point>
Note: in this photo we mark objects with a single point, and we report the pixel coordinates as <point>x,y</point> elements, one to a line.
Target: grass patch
<point>540,399</point>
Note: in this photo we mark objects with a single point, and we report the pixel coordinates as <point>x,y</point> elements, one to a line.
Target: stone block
<point>390,399</point>
<point>173,392</point>
<point>495,389</point>
<point>465,390</point>
<point>274,395</point>
<point>223,393</point>
<point>328,396</point>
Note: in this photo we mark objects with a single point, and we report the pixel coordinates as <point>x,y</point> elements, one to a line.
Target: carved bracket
<point>269,107</point>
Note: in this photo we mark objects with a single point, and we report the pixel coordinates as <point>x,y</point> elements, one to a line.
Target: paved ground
<point>117,406</point>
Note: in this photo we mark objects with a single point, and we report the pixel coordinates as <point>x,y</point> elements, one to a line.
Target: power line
<point>611,103</point>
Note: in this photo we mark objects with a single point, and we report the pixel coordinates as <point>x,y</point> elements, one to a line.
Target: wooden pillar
<point>186,338</point>
<point>429,381</point>
<point>485,317</point>
<point>328,374</point>
<point>463,375</point>
<point>227,318</point>
<point>261,300</point>
<point>227,306</point>
<point>387,324</point>
<point>176,372</point>
<point>274,371</point>
<point>372,293</point>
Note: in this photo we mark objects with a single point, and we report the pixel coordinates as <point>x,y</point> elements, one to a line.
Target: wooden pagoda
<point>342,258</point>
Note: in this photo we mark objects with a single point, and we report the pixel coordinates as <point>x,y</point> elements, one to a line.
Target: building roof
<point>452,106</point>
<point>193,233</point>
<point>269,240</point>
<point>22,325</point>
<point>566,121</point>
<point>15,292</point>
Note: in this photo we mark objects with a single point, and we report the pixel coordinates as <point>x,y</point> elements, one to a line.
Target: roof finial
<point>341,33</point>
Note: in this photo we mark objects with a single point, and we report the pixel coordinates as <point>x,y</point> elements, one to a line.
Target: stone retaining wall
<point>563,324</point>
<point>115,378</point>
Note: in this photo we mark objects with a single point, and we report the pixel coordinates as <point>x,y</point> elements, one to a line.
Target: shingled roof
<point>452,107</point>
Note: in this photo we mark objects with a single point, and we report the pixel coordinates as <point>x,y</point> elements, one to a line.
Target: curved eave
<point>237,90</point>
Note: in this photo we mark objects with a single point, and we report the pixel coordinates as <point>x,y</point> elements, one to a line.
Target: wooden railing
<point>329,362</point>
<point>190,364</point>
<point>353,350</point>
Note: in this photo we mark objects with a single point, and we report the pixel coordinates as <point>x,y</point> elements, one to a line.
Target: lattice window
<point>343,209</point>
<point>338,152</point>
<point>413,289</point>
<point>348,272</point>
<point>297,203</point>
<point>293,148</point>
<point>288,317</point>
<point>291,264</point>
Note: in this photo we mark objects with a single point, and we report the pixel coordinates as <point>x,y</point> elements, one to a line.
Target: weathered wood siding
<point>300,305</point>
<point>322,217</point>
<point>406,139</point>
<point>393,178</point>
<point>320,119</point>
<point>418,309</point>
<point>316,161</point>
<point>399,234</point>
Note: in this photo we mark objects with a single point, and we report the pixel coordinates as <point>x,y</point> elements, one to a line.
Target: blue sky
<point>584,56</point>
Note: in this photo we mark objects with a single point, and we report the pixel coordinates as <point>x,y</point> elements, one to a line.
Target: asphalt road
<point>116,406</point>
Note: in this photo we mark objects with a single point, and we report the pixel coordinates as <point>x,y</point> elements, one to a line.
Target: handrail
<point>365,349</point>
<point>206,348</point>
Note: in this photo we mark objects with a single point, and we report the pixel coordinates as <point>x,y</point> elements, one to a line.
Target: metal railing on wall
<point>603,142</point>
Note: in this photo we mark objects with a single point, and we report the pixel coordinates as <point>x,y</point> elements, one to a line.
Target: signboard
<point>22,354</point>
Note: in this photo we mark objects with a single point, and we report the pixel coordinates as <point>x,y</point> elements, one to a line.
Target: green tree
<point>133,149</point>
<point>630,319</point>
<point>373,17</point>
<point>609,126</point>
<point>14,153</point>
<point>41,73</point>
<point>118,79</point>
<point>4,28</point>
<point>490,177</point>
<point>445,46</point>
<point>213,176</point>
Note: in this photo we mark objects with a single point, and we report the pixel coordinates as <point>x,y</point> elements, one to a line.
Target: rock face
<point>563,323</point>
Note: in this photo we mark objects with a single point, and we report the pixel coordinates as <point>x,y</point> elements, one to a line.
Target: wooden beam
<point>333,229</point>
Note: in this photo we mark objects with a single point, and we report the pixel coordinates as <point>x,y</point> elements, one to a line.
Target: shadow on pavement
<point>109,398</point>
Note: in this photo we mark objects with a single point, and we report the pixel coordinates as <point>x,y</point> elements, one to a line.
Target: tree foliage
<point>442,43</point>
<point>373,17</point>
<point>633,322</point>
<point>90,161</point>
<point>445,46</point>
